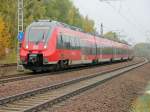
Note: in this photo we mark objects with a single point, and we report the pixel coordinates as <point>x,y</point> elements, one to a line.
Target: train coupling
<point>35,59</point>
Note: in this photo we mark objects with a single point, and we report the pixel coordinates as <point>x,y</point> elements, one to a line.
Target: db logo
<point>35,47</point>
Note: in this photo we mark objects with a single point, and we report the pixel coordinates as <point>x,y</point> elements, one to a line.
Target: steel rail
<point>38,99</point>
<point>24,76</point>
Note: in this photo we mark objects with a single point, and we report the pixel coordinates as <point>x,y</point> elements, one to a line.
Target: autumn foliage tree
<point>4,37</point>
<point>112,36</point>
<point>59,10</point>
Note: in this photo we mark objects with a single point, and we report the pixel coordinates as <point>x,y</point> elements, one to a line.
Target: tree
<point>33,10</point>
<point>5,40</point>
<point>142,50</point>
<point>112,36</point>
<point>63,11</point>
<point>88,25</point>
<point>71,16</point>
<point>10,16</point>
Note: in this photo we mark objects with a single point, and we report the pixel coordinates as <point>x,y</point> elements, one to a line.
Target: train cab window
<point>39,34</point>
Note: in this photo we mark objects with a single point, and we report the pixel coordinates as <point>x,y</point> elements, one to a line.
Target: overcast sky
<point>130,18</point>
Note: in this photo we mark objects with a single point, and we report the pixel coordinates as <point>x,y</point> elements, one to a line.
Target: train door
<point>95,48</point>
<point>101,52</point>
<point>60,45</point>
<point>114,52</point>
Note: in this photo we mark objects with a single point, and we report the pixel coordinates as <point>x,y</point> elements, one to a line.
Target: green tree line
<point>114,36</point>
<point>142,50</point>
<point>59,10</point>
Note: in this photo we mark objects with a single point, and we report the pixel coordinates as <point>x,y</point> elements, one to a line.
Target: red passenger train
<point>51,43</point>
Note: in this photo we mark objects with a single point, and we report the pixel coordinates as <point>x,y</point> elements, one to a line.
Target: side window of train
<point>77,43</point>
<point>59,41</point>
<point>73,42</point>
<point>63,41</point>
<point>67,42</point>
<point>98,49</point>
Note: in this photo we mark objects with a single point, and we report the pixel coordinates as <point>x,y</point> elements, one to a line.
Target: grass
<point>142,103</point>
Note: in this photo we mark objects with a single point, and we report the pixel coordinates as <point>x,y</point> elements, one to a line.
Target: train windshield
<point>38,34</point>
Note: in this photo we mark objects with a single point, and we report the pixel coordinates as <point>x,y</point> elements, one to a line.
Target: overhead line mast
<point>20,30</point>
<point>101,29</point>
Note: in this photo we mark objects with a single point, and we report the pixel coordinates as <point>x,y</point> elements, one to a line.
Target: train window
<point>107,50</point>
<point>73,42</point>
<point>64,41</point>
<point>81,43</point>
<point>121,51</point>
<point>59,41</point>
<point>116,51</point>
<point>93,48</point>
<point>98,49</point>
<point>78,42</point>
<point>38,34</point>
<point>84,49</point>
<point>67,42</point>
<point>70,41</point>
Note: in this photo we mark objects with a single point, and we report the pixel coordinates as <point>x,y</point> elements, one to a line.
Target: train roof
<point>61,24</point>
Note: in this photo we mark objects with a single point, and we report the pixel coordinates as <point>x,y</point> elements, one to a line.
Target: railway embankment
<point>20,86</point>
<point>126,93</point>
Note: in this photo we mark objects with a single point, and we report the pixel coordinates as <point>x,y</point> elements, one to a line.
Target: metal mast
<point>101,29</point>
<point>20,29</point>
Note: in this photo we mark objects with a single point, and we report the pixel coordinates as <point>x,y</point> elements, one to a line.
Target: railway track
<point>39,99</point>
<point>19,77</point>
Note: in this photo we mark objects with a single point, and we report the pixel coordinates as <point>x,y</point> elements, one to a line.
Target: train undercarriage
<point>37,63</point>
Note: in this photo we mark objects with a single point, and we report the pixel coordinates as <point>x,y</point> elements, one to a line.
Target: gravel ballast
<point>17,87</point>
<point>116,95</point>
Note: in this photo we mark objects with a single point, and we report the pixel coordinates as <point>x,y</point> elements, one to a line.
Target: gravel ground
<point>116,95</point>
<point>13,88</point>
<point>9,71</point>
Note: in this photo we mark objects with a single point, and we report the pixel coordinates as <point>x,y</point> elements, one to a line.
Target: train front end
<point>34,48</point>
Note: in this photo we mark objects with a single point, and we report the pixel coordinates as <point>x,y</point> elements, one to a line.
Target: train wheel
<point>63,64</point>
<point>59,65</point>
<point>66,63</point>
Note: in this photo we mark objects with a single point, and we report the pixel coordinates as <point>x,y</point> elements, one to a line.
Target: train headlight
<point>27,46</point>
<point>45,47</point>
